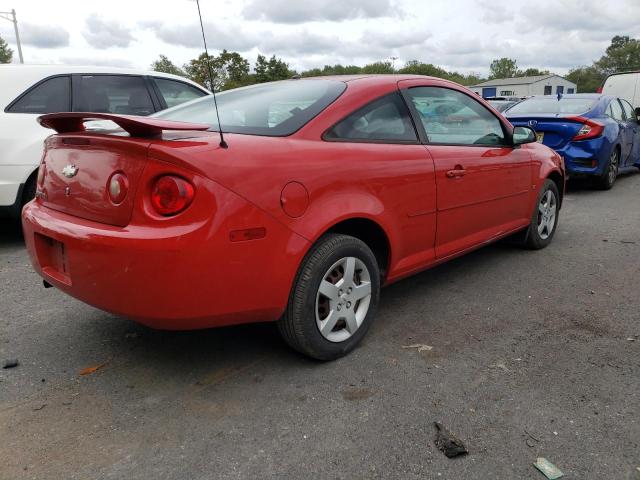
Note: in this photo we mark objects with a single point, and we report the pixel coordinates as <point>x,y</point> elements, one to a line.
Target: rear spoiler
<point>69,122</point>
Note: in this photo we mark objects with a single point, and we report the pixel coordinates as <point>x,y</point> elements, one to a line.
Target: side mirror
<point>522,135</point>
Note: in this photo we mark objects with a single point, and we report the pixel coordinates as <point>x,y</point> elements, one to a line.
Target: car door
<point>483,183</point>
<point>625,134</point>
<point>631,121</point>
<point>377,144</point>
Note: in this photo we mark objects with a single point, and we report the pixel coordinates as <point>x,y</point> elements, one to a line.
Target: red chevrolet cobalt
<point>323,190</point>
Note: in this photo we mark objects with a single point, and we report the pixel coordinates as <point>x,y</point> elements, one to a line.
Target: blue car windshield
<point>269,109</point>
<point>551,105</point>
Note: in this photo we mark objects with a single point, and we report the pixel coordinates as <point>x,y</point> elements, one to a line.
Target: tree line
<point>232,70</point>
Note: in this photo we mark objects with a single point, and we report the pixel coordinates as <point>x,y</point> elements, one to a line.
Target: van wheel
<point>544,219</point>
<point>334,298</point>
<point>608,177</point>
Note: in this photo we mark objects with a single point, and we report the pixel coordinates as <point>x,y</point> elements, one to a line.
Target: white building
<point>525,86</point>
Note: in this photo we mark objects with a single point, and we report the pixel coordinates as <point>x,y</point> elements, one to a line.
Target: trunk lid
<point>78,170</point>
<point>557,130</point>
<point>78,166</point>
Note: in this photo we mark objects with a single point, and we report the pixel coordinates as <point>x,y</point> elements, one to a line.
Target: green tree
<point>229,70</point>
<point>6,54</point>
<point>378,67</point>
<point>414,67</point>
<point>588,79</point>
<point>533,72</point>
<point>235,69</point>
<point>623,54</point>
<point>503,68</point>
<point>163,64</point>
<point>271,70</point>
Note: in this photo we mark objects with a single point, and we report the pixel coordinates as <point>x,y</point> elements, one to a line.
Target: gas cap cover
<point>294,199</point>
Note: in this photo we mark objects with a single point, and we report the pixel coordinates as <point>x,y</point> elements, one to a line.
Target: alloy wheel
<point>343,299</point>
<point>612,172</point>
<point>547,214</point>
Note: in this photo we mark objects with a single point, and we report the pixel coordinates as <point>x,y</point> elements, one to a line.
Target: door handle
<point>457,172</point>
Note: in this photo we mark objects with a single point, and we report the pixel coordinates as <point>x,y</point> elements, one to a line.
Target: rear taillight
<point>599,90</point>
<point>118,187</point>
<point>589,128</point>
<point>171,195</point>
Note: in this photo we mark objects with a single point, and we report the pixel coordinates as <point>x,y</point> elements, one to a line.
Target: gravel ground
<point>534,354</point>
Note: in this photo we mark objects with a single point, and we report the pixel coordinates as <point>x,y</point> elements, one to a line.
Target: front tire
<point>544,219</point>
<point>334,298</point>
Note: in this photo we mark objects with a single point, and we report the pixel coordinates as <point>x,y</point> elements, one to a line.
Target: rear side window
<point>628,110</point>
<point>122,94</point>
<point>454,118</point>
<point>51,96</point>
<point>274,109</point>
<point>384,120</point>
<point>614,110</point>
<point>174,92</point>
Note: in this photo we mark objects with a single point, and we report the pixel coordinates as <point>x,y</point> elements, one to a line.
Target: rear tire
<point>544,218</point>
<point>28,192</point>
<point>334,298</point>
<point>608,177</point>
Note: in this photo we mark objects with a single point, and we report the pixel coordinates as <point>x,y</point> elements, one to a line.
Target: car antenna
<point>223,144</point>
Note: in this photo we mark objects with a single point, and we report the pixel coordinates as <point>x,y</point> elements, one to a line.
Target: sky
<point>462,35</point>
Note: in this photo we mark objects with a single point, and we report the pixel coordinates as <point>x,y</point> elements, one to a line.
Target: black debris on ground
<point>10,363</point>
<point>448,443</point>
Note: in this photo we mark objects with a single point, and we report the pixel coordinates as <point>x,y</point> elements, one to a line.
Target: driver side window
<point>453,118</point>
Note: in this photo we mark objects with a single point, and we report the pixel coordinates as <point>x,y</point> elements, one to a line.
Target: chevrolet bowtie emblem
<point>70,171</point>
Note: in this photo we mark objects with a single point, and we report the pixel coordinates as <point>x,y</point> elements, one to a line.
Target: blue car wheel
<point>610,173</point>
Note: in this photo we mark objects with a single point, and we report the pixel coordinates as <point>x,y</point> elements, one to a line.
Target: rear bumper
<point>588,157</point>
<point>181,276</point>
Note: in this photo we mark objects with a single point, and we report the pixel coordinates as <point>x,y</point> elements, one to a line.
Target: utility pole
<point>11,16</point>
<point>393,63</point>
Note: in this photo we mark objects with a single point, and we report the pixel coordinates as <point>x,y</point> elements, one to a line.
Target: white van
<point>624,85</point>
<point>27,91</point>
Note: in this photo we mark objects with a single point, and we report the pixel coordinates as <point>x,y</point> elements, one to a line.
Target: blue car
<point>598,135</point>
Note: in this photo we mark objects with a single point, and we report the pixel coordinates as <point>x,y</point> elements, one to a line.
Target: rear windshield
<point>553,105</point>
<point>270,109</point>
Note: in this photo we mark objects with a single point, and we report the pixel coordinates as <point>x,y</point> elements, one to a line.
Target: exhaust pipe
<point>46,284</point>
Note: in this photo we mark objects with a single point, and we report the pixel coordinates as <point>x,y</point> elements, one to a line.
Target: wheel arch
<point>370,232</point>
<point>556,177</point>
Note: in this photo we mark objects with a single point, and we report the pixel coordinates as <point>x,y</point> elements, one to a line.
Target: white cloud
<point>100,33</point>
<point>44,36</point>
<point>291,11</point>
<point>455,34</point>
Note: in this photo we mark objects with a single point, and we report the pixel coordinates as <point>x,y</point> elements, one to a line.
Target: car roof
<point>16,78</point>
<point>593,96</point>
<point>379,78</point>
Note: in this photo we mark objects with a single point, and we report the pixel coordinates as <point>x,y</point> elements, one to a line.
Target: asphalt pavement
<point>521,354</point>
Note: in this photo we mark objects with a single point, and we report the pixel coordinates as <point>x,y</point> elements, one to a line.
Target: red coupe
<point>323,190</point>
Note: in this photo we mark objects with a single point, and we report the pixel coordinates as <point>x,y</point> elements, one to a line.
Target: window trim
<point>158,92</point>
<point>36,85</point>
<point>397,92</point>
<point>422,133</point>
